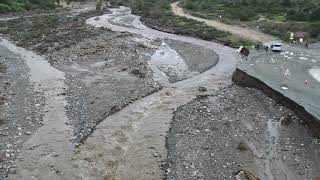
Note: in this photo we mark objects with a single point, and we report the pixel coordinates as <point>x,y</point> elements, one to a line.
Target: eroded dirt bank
<point>241,78</point>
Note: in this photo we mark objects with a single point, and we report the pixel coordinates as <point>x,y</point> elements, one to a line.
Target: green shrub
<point>315,16</point>
<point>251,9</point>
<point>190,5</point>
<point>4,8</point>
<point>19,5</point>
<point>280,18</point>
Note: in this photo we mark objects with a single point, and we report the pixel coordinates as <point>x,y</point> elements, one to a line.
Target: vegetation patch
<point>275,17</point>
<point>158,15</point>
<point>282,30</point>
<point>19,5</point>
<point>294,10</point>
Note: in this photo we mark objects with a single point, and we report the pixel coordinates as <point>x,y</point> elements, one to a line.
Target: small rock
<point>243,146</point>
<point>13,171</point>
<point>9,145</point>
<point>285,120</point>
<point>155,155</point>
<point>202,89</point>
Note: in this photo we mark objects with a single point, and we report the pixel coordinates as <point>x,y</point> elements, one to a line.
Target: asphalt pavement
<point>294,72</point>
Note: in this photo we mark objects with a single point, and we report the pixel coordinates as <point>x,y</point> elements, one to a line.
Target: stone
<point>243,146</point>
<point>285,120</point>
<point>202,89</point>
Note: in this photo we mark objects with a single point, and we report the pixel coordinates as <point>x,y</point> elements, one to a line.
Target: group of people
<point>260,46</point>
<point>266,47</point>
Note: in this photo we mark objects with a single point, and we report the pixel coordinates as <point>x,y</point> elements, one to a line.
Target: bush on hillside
<point>4,8</point>
<point>19,5</point>
<point>250,9</point>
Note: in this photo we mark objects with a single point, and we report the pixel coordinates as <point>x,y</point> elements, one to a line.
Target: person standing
<point>257,47</point>
<point>267,48</point>
<point>306,46</point>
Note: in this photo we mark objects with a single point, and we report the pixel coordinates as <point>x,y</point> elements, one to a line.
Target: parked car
<point>277,47</point>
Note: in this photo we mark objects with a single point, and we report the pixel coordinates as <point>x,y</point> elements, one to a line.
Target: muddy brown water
<point>127,145</point>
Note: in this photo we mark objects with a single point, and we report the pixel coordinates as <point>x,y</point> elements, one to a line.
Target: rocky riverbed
<point>237,132</point>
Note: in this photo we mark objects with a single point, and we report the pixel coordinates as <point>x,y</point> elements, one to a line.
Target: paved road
<point>235,30</point>
<point>294,73</point>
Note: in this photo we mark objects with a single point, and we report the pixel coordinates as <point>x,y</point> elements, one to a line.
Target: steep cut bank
<point>242,78</point>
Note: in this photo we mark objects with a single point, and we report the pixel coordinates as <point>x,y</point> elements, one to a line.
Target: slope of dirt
<point>236,30</point>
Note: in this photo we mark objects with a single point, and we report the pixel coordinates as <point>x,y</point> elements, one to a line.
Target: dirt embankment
<point>243,79</point>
